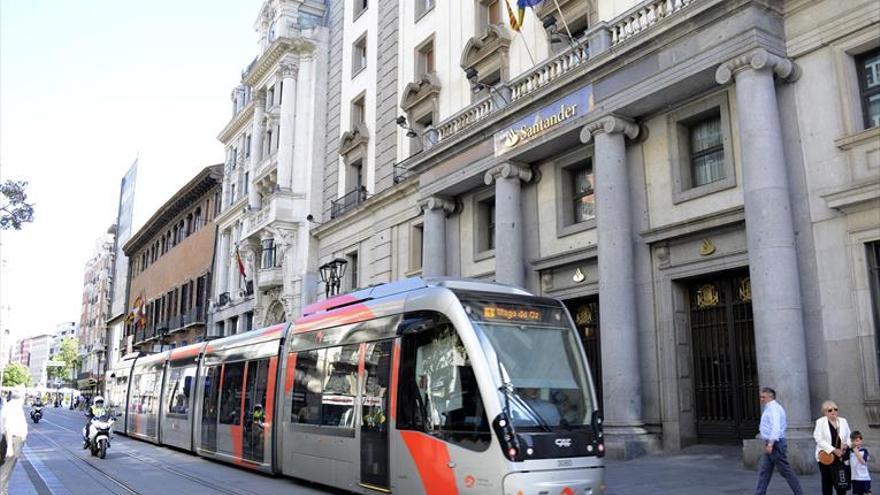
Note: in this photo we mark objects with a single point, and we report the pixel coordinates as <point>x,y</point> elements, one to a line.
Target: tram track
<point>146,460</point>
<point>73,455</point>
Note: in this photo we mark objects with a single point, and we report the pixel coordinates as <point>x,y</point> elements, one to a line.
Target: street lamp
<point>331,274</point>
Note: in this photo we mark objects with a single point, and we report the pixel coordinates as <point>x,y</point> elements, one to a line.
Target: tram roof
<point>258,336</point>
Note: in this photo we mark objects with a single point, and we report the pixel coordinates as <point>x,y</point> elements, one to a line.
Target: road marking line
<point>46,476</point>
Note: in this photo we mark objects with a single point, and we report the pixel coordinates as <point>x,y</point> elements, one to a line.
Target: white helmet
<point>97,399</point>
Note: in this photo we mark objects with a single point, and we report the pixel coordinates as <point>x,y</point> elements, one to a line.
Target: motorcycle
<point>36,413</point>
<point>99,434</point>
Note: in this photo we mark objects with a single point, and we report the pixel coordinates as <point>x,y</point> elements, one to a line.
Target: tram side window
<point>438,390</point>
<point>135,401</point>
<point>117,392</point>
<point>307,387</point>
<point>179,386</point>
<point>340,386</point>
<point>230,394</point>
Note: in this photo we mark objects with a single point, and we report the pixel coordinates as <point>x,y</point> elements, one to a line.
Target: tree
<point>67,354</point>
<point>14,208</point>
<point>16,374</point>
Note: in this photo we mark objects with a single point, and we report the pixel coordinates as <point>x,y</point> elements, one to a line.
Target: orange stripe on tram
<point>289,373</point>
<point>431,457</point>
<point>395,363</point>
<point>270,395</point>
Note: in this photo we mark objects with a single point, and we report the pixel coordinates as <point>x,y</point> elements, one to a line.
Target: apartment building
<point>272,174</point>
<point>92,332</point>
<point>66,330</point>
<point>170,267</point>
<point>675,170</point>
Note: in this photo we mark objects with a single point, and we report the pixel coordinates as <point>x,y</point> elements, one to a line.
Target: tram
<point>434,386</point>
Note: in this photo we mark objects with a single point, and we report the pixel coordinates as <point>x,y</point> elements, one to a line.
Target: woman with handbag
<point>832,440</point>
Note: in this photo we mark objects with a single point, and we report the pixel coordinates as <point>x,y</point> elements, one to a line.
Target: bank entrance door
<point>585,312</point>
<point>725,367</point>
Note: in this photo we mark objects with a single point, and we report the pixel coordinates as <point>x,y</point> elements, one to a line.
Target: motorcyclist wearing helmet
<point>96,410</point>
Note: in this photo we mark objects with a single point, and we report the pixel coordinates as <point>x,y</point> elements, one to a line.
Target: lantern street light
<point>331,274</point>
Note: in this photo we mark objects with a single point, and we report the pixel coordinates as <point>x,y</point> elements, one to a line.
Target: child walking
<point>858,463</point>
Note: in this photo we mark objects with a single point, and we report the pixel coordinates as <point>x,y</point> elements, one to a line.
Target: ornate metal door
<point>725,367</point>
<point>585,312</point>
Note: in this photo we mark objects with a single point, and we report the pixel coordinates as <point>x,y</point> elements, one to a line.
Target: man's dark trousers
<point>778,458</point>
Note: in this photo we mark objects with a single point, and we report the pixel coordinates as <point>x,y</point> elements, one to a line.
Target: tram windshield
<point>538,366</point>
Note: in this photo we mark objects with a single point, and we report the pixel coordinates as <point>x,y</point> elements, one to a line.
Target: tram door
<point>375,414</point>
<point>725,366</point>
<point>209,408</point>
<point>253,440</point>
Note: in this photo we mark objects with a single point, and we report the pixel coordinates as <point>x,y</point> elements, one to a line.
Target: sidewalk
<point>697,470</point>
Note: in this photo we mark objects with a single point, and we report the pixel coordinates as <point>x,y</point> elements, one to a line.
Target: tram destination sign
<point>548,118</point>
<point>492,311</point>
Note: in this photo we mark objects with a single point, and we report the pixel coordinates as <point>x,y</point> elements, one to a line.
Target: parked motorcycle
<point>99,434</point>
<point>36,413</point>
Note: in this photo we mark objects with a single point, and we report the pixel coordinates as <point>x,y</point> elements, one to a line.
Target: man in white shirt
<point>14,429</point>
<point>772,430</point>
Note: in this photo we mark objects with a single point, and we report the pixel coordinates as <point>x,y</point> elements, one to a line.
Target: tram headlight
<point>510,443</point>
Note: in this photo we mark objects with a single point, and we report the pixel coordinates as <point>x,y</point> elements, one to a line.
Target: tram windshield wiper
<point>510,392</point>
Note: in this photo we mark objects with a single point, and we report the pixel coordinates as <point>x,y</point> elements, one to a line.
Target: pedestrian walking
<point>832,437</point>
<point>13,433</point>
<point>858,461</point>
<point>772,429</point>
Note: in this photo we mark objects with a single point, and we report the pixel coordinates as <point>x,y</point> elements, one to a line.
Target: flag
<point>240,263</point>
<point>138,314</point>
<point>515,22</point>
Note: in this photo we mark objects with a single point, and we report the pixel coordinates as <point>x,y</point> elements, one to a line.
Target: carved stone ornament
<point>438,203</point>
<point>354,138</point>
<point>508,170</point>
<point>707,247</point>
<point>420,91</point>
<point>288,69</point>
<point>663,259</point>
<point>547,280</point>
<point>487,53</point>
<point>610,124</point>
<point>707,296</point>
<point>578,276</point>
<point>758,59</point>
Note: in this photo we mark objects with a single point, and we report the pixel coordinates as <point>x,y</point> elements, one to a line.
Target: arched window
<point>197,219</point>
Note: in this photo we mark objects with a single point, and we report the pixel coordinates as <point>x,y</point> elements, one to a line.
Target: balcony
<point>275,205</point>
<point>347,202</point>
<point>632,24</point>
<point>270,277</point>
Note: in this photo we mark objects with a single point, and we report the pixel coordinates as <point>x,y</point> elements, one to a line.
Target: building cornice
<point>266,63</point>
<point>238,121</point>
<point>729,216</point>
<point>200,184</point>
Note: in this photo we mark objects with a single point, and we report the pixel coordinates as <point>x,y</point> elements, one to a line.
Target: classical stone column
<point>256,147</point>
<point>288,120</point>
<point>436,209</point>
<point>304,130</point>
<point>776,297</point>
<point>509,258</point>
<point>223,264</point>
<point>621,376</point>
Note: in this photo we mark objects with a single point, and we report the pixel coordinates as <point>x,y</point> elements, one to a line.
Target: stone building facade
<point>698,180</point>
<point>92,331</point>
<point>272,174</point>
<point>170,267</point>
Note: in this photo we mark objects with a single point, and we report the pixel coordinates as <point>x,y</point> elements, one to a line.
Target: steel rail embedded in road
<point>70,453</point>
<point>158,464</point>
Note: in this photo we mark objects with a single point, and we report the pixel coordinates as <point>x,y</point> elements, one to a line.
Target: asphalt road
<point>55,464</point>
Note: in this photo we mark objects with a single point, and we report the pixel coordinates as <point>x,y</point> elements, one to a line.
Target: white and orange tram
<point>439,386</point>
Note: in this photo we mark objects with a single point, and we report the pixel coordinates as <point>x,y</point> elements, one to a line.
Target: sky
<point>86,87</point>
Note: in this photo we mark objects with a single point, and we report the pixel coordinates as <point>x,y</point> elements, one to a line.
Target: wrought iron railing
<point>401,169</point>
<point>349,201</point>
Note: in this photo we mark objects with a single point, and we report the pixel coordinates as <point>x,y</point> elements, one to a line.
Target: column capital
<point>610,124</point>
<point>438,203</point>
<point>508,170</point>
<point>758,59</point>
<point>259,98</point>
<point>288,70</point>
